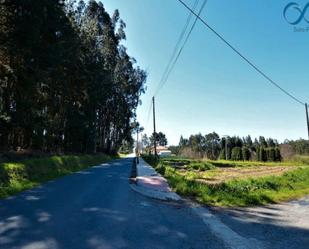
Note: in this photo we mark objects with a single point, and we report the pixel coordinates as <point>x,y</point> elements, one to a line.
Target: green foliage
<point>212,147</point>
<point>160,139</point>
<point>301,159</point>
<point>278,156</point>
<point>152,160</point>
<point>271,154</point>
<point>300,147</point>
<point>246,153</point>
<point>201,166</point>
<point>175,150</point>
<point>259,191</point>
<point>161,169</point>
<point>15,177</point>
<point>236,154</point>
<point>236,192</point>
<point>127,146</point>
<point>262,156</point>
<point>67,83</point>
<point>222,155</point>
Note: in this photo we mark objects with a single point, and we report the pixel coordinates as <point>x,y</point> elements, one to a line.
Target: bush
<point>161,170</point>
<point>151,159</point>
<point>202,166</point>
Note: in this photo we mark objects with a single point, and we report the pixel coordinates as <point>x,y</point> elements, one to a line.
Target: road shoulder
<point>151,184</point>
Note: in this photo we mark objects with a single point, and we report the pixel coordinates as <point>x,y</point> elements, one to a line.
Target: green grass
<point>237,192</point>
<point>19,176</point>
<point>259,191</point>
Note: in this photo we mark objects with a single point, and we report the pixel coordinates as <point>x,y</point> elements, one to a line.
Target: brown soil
<point>225,174</point>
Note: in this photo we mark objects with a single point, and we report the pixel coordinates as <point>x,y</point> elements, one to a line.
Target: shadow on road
<point>96,209</point>
<point>277,226</point>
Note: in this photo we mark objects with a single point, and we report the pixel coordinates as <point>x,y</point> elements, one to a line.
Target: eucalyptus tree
<point>66,81</point>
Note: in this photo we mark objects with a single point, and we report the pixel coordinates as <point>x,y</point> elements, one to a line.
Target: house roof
<point>161,148</point>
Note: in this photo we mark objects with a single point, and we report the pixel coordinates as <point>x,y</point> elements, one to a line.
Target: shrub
<point>161,170</point>
<point>151,159</point>
<point>202,166</point>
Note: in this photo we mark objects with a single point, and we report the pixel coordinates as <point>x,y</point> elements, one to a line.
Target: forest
<point>214,147</point>
<point>67,83</point>
<point>230,148</point>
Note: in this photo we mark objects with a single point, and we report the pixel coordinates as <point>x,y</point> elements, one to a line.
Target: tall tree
<point>66,81</point>
<point>160,138</point>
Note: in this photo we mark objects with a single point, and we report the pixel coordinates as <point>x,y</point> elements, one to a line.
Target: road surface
<point>279,226</point>
<point>97,209</point>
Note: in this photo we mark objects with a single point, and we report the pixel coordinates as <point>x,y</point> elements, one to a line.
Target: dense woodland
<point>67,83</point>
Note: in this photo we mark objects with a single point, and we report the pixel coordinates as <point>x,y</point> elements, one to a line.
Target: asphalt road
<point>96,209</point>
<point>279,226</point>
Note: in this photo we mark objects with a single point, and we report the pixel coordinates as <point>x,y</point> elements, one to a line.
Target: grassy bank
<point>22,175</point>
<point>192,178</point>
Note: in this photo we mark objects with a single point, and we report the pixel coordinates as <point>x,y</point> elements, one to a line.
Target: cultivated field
<point>235,183</point>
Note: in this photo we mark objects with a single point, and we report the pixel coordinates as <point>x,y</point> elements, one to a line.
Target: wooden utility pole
<point>307,117</point>
<point>226,149</point>
<point>137,151</point>
<point>225,137</point>
<point>154,127</point>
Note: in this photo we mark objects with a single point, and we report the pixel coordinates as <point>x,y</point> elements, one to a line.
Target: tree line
<point>159,137</point>
<point>67,83</point>
<point>290,148</point>
<point>213,147</point>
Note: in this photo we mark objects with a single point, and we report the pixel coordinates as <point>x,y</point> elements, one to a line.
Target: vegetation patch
<point>237,183</point>
<point>19,176</point>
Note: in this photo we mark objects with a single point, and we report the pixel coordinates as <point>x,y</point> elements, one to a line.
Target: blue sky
<point>212,88</point>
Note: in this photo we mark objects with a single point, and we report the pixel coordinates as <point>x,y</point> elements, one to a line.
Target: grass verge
<point>236,192</point>
<point>18,176</point>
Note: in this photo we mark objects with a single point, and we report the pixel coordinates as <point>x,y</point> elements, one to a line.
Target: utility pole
<point>154,127</point>
<point>137,152</point>
<point>226,137</point>
<point>307,117</point>
<point>226,149</point>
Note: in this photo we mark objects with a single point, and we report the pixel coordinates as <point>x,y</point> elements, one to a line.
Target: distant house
<point>161,151</point>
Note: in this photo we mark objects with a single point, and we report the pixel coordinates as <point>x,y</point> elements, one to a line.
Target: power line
<point>176,48</point>
<point>180,38</point>
<point>172,62</point>
<point>241,55</point>
<point>182,47</point>
<point>148,114</point>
